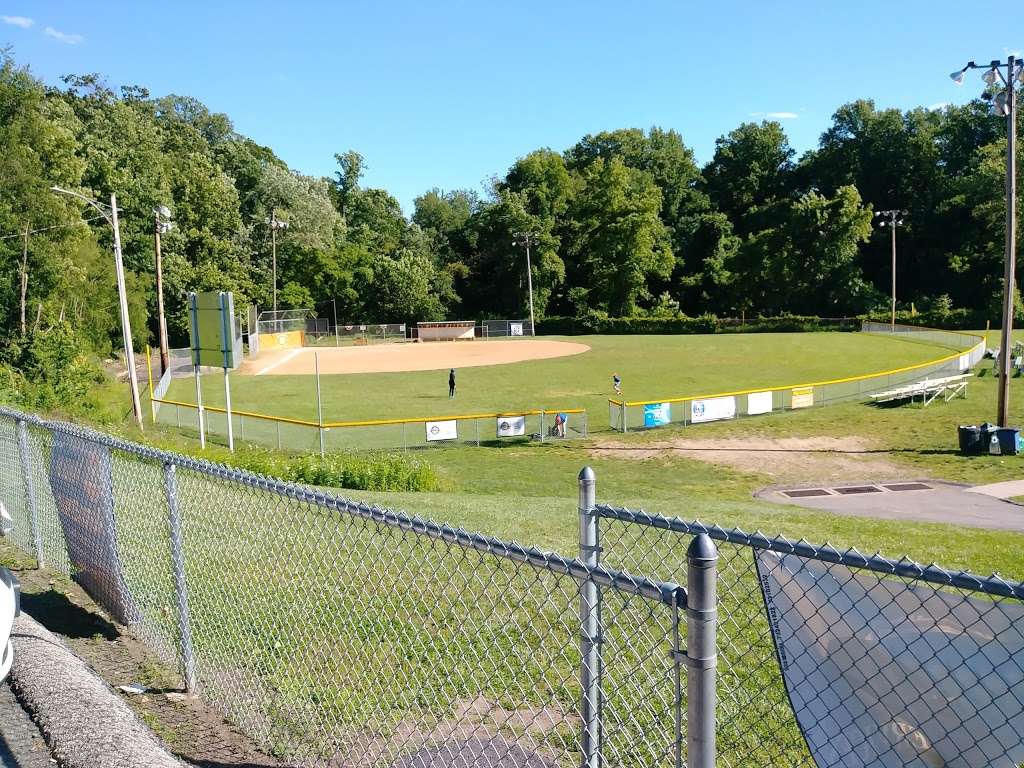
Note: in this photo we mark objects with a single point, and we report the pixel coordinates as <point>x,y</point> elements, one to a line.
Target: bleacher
<point>947,387</point>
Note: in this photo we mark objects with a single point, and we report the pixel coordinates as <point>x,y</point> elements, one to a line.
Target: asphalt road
<point>21,744</point>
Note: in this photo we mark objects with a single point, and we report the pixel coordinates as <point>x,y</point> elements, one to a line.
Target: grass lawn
<point>384,630</point>
<point>651,367</point>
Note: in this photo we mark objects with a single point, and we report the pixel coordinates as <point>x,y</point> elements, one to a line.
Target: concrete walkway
<point>935,502</point>
<point>1004,490</point>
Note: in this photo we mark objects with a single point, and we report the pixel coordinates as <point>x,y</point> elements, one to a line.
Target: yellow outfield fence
<point>371,434</point>
<point>624,415</point>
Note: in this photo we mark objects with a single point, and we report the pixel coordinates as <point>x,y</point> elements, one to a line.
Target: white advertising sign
<point>965,362</point>
<point>803,397</point>
<point>511,426</point>
<point>515,329</point>
<point>712,409</point>
<point>442,430</point>
<point>759,402</point>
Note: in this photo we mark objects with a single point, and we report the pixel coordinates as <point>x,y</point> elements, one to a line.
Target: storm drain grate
<point>853,489</point>
<point>907,487</point>
<point>805,492</point>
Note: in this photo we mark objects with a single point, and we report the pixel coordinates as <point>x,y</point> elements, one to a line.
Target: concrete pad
<point>1003,490</point>
<point>941,502</point>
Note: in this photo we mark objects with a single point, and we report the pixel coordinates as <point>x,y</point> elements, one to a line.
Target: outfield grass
<point>651,367</point>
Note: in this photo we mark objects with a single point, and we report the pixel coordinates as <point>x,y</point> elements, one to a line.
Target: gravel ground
<point>21,743</point>
<point>86,724</point>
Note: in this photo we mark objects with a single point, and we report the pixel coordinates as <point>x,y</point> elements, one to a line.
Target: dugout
<point>446,330</point>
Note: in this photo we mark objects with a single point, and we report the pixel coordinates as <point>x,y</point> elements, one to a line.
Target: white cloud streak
<point>782,115</point>
<point>18,21</point>
<point>937,106</point>
<point>63,37</point>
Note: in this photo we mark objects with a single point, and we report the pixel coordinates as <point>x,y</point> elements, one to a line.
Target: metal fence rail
<point>336,633</point>
<point>625,415</point>
<point>908,650</point>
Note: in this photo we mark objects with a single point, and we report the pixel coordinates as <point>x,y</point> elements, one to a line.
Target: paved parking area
<point>924,500</point>
<point>21,743</point>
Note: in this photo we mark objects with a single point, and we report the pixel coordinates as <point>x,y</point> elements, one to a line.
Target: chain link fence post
<point>590,625</point>
<point>701,656</point>
<point>188,661</point>
<point>30,492</point>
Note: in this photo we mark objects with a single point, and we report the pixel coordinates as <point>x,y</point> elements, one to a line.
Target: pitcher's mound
<point>393,358</point>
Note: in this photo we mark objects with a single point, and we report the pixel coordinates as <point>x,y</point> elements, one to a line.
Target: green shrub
<point>362,472</point>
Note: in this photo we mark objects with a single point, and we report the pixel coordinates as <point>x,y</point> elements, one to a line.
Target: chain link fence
<point>624,416</point>
<point>830,657</point>
<point>336,633</point>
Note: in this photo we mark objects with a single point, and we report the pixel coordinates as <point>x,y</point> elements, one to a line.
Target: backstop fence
<point>626,415</point>
<point>336,633</point>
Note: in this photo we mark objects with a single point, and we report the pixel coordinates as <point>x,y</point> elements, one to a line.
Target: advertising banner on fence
<point>803,397</point>
<point>965,362</point>
<point>511,426</point>
<point>442,430</point>
<point>883,674</point>
<point>712,409</point>
<point>657,414</point>
<point>83,492</point>
<point>515,329</point>
<point>758,403</point>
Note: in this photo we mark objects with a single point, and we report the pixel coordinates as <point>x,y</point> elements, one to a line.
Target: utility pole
<point>526,238</point>
<point>1004,104</point>
<point>891,219</point>
<point>161,225</point>
<point>126,327</point>
<point>1010,275</point>
<point>24,278</point>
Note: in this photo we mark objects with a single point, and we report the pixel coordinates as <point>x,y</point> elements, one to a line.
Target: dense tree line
<point>626,222</point>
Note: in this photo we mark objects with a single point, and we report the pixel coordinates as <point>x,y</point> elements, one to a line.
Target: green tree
<point>619,241</point>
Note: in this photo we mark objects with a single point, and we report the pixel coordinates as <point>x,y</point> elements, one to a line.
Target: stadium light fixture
<point>275,224</point>
<point>526,239</point>
<point>1004,104</point>
<point>892,219</point>
<point>109,212</point>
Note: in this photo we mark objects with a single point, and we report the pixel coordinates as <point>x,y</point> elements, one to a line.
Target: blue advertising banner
<point>882,673</point>
<point>657,414</point>
<point>83,490</point>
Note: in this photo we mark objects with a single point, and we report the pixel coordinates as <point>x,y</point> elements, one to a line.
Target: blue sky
<point>449,93</point>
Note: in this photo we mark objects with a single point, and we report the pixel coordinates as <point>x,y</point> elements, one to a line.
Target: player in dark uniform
<point>451,383</point>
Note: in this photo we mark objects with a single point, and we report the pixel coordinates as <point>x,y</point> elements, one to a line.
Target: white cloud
<point>937,106</point>
<point>782,115</point>
<point>63,37</point>
<point>18,21</point>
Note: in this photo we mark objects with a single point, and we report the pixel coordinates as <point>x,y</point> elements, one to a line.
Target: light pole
<point>892,219</point>
<point>126,328</point>
<point>275,224</point>
<point>1004,104</point>
<point>161,225</point>
<point>526,238</point>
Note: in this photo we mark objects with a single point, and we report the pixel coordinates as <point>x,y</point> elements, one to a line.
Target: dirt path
<point>393,358</point>
<point>784,459</point>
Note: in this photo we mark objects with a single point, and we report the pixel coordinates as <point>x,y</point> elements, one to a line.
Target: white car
<point>10,601</point>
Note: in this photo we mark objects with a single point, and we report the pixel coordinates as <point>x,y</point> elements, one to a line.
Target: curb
<point>85,723</point>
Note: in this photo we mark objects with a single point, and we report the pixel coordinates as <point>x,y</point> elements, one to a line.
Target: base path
<point>393,358</point>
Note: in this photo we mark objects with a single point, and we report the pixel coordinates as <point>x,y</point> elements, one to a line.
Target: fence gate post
<point>701,656</point>
<point>188,660</point>
<point>30,492</point>
<point>590,625</point>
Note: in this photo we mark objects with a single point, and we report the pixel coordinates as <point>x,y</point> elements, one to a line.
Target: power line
<point>47,229</point>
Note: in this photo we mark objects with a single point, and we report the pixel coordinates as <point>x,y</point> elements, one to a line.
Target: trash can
<point>970,439</point>
<point>1009,440</point>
